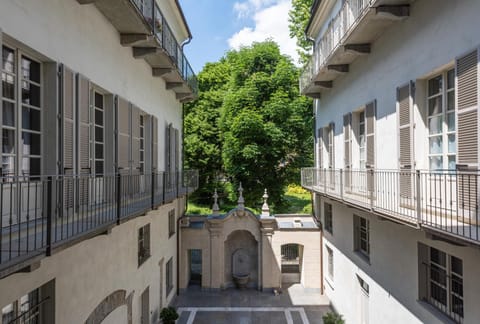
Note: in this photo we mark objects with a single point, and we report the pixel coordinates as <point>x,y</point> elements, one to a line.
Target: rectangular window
<point>328,217</point>
<point>361,231</point>
<point>99,117</point>
<point>21,114</point>
<point>442,140</point>
<point>330,262</point>
<point>442,277</point>
<point>171,223</point>
<point>143,244</point>
<point>169,276</point>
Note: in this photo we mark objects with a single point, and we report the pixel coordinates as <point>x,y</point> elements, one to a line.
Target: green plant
<point>333,318</point>
<point>169,315</point>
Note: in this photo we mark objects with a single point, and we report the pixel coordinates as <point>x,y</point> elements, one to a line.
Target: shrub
<point>169,315</point>
<point>332,318</point>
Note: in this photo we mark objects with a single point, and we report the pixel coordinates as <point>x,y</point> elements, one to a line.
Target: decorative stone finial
<point>241,201</point>
<point>215,208</point>
<point>265,208</point>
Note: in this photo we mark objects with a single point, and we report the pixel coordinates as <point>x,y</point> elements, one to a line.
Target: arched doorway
<point>292,260</point>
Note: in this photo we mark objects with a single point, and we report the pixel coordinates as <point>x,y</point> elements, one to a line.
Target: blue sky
<point>220,25</point>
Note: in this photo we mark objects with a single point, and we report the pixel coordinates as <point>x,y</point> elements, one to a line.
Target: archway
<point>241,255</point>
<point>292,260</point>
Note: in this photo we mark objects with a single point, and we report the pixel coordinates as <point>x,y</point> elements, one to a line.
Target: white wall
<point>83,39</point>
<point>392,272</point>
<point>412,49</point>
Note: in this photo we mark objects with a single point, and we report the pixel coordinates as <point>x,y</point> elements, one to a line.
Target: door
<point>145,319</point>
<point>195,267</point>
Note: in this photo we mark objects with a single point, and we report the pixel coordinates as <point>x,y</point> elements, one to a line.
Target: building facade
<point>91,175</point>
<point>396,94</point>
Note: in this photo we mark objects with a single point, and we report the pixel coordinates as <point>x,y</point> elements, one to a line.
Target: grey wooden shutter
<point>67,91</point>
<point>405,141</point>
<point>320,148</point>
<point>173,156</point>
<point>135,138</point>
<point>147,143</point>
<point>154,144</point>
<point>331,145</point>
<point>370,120</point>
<point>347,133</point>
<point>467,133</point>
<point>83,136</point>
<point>123,135</point>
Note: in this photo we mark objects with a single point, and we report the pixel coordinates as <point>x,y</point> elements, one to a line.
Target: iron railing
<point>167,41</point>
<point>338,28</point>
<point>41,213</point>
<point>446,201</point>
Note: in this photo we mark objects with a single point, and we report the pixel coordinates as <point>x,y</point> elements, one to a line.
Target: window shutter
<point>177,150</point>
<point>173,156</point>
<point>135,136</point>
<point>154,143</point>
<point>167,148</point>
<point>320,148</point>
<point>370,119</point>
<point>123,135</point>
<point>331,145</point>
<point>67,91</point>
<point>467,105</point>
<point>467,133</point>
<point>83,93</point>
<point>147,143</point>
<point>347,126</point>
<point>83,135</point>
<point>405,141</point>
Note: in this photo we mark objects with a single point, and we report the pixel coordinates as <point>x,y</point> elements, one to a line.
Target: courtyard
<point>294,305</point>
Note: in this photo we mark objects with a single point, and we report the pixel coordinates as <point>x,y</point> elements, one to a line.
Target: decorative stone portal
<point>241,260</point>
<point>243,249</point>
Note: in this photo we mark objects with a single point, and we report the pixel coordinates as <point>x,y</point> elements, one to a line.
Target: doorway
<point>195,260</point>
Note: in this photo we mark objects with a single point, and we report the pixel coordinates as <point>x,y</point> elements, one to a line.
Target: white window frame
<point>18,152</point>
<point>362,158</point>
<point>330,265</point>
<point>445,132</point>
<point>21,307</point>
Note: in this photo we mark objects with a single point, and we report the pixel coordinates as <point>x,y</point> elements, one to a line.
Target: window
<point>171,223</point>
<point>32,308</point>
<point>441,121</point>
<point>21,114</point>
<point>361,139</point>
<point>169,276</point>
<point>330,262</point>
<point>361,228</point>
<point>142,144</point>
<point>143,244</point>
<point>99,115</point>
<point>442,275</point>
<point>328,217</point>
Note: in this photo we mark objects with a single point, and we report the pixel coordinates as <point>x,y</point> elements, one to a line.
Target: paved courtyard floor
<point>293,306</point>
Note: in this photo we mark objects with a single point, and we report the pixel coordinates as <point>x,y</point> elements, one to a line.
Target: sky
<point>220,25</point>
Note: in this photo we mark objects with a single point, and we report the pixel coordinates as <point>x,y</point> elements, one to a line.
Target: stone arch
<point>241,242</point>
<point>109,304</point>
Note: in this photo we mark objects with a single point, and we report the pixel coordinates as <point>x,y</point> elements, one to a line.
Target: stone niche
<point>241,248</point>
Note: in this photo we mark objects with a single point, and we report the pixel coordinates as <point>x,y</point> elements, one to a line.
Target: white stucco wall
<point>391,273</point>
<point>411,49</point>
<point>80,37</point>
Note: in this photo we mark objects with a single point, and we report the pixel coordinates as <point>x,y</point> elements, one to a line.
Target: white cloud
<point>270,21</point>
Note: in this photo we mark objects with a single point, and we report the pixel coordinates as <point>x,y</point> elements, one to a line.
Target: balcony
<point>348,35</point>
<point>46,213</point>
<point>143,27</point>
<point>445,204</point>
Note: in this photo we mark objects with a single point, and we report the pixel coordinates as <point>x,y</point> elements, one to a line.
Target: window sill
<point>143,260</point>
<point>363,257</point>
<point>329,282</point>
<point>441,316</point>
<point>171,234</point>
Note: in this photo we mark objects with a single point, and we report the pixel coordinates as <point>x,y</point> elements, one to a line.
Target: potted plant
<point>332,318</point>
<point>169,315</point>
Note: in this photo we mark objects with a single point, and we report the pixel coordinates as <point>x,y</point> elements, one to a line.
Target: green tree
<point>298,18</point>
<point>249,125</point>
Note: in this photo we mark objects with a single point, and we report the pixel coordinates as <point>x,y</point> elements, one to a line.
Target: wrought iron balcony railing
<point>444,201</point>
<point>41,213</point>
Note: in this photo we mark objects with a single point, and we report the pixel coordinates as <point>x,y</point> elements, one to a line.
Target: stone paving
<point>234,306</point>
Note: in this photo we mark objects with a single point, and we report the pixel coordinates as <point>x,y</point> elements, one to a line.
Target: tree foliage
<point>249,125</point>
<point>298,19</point>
